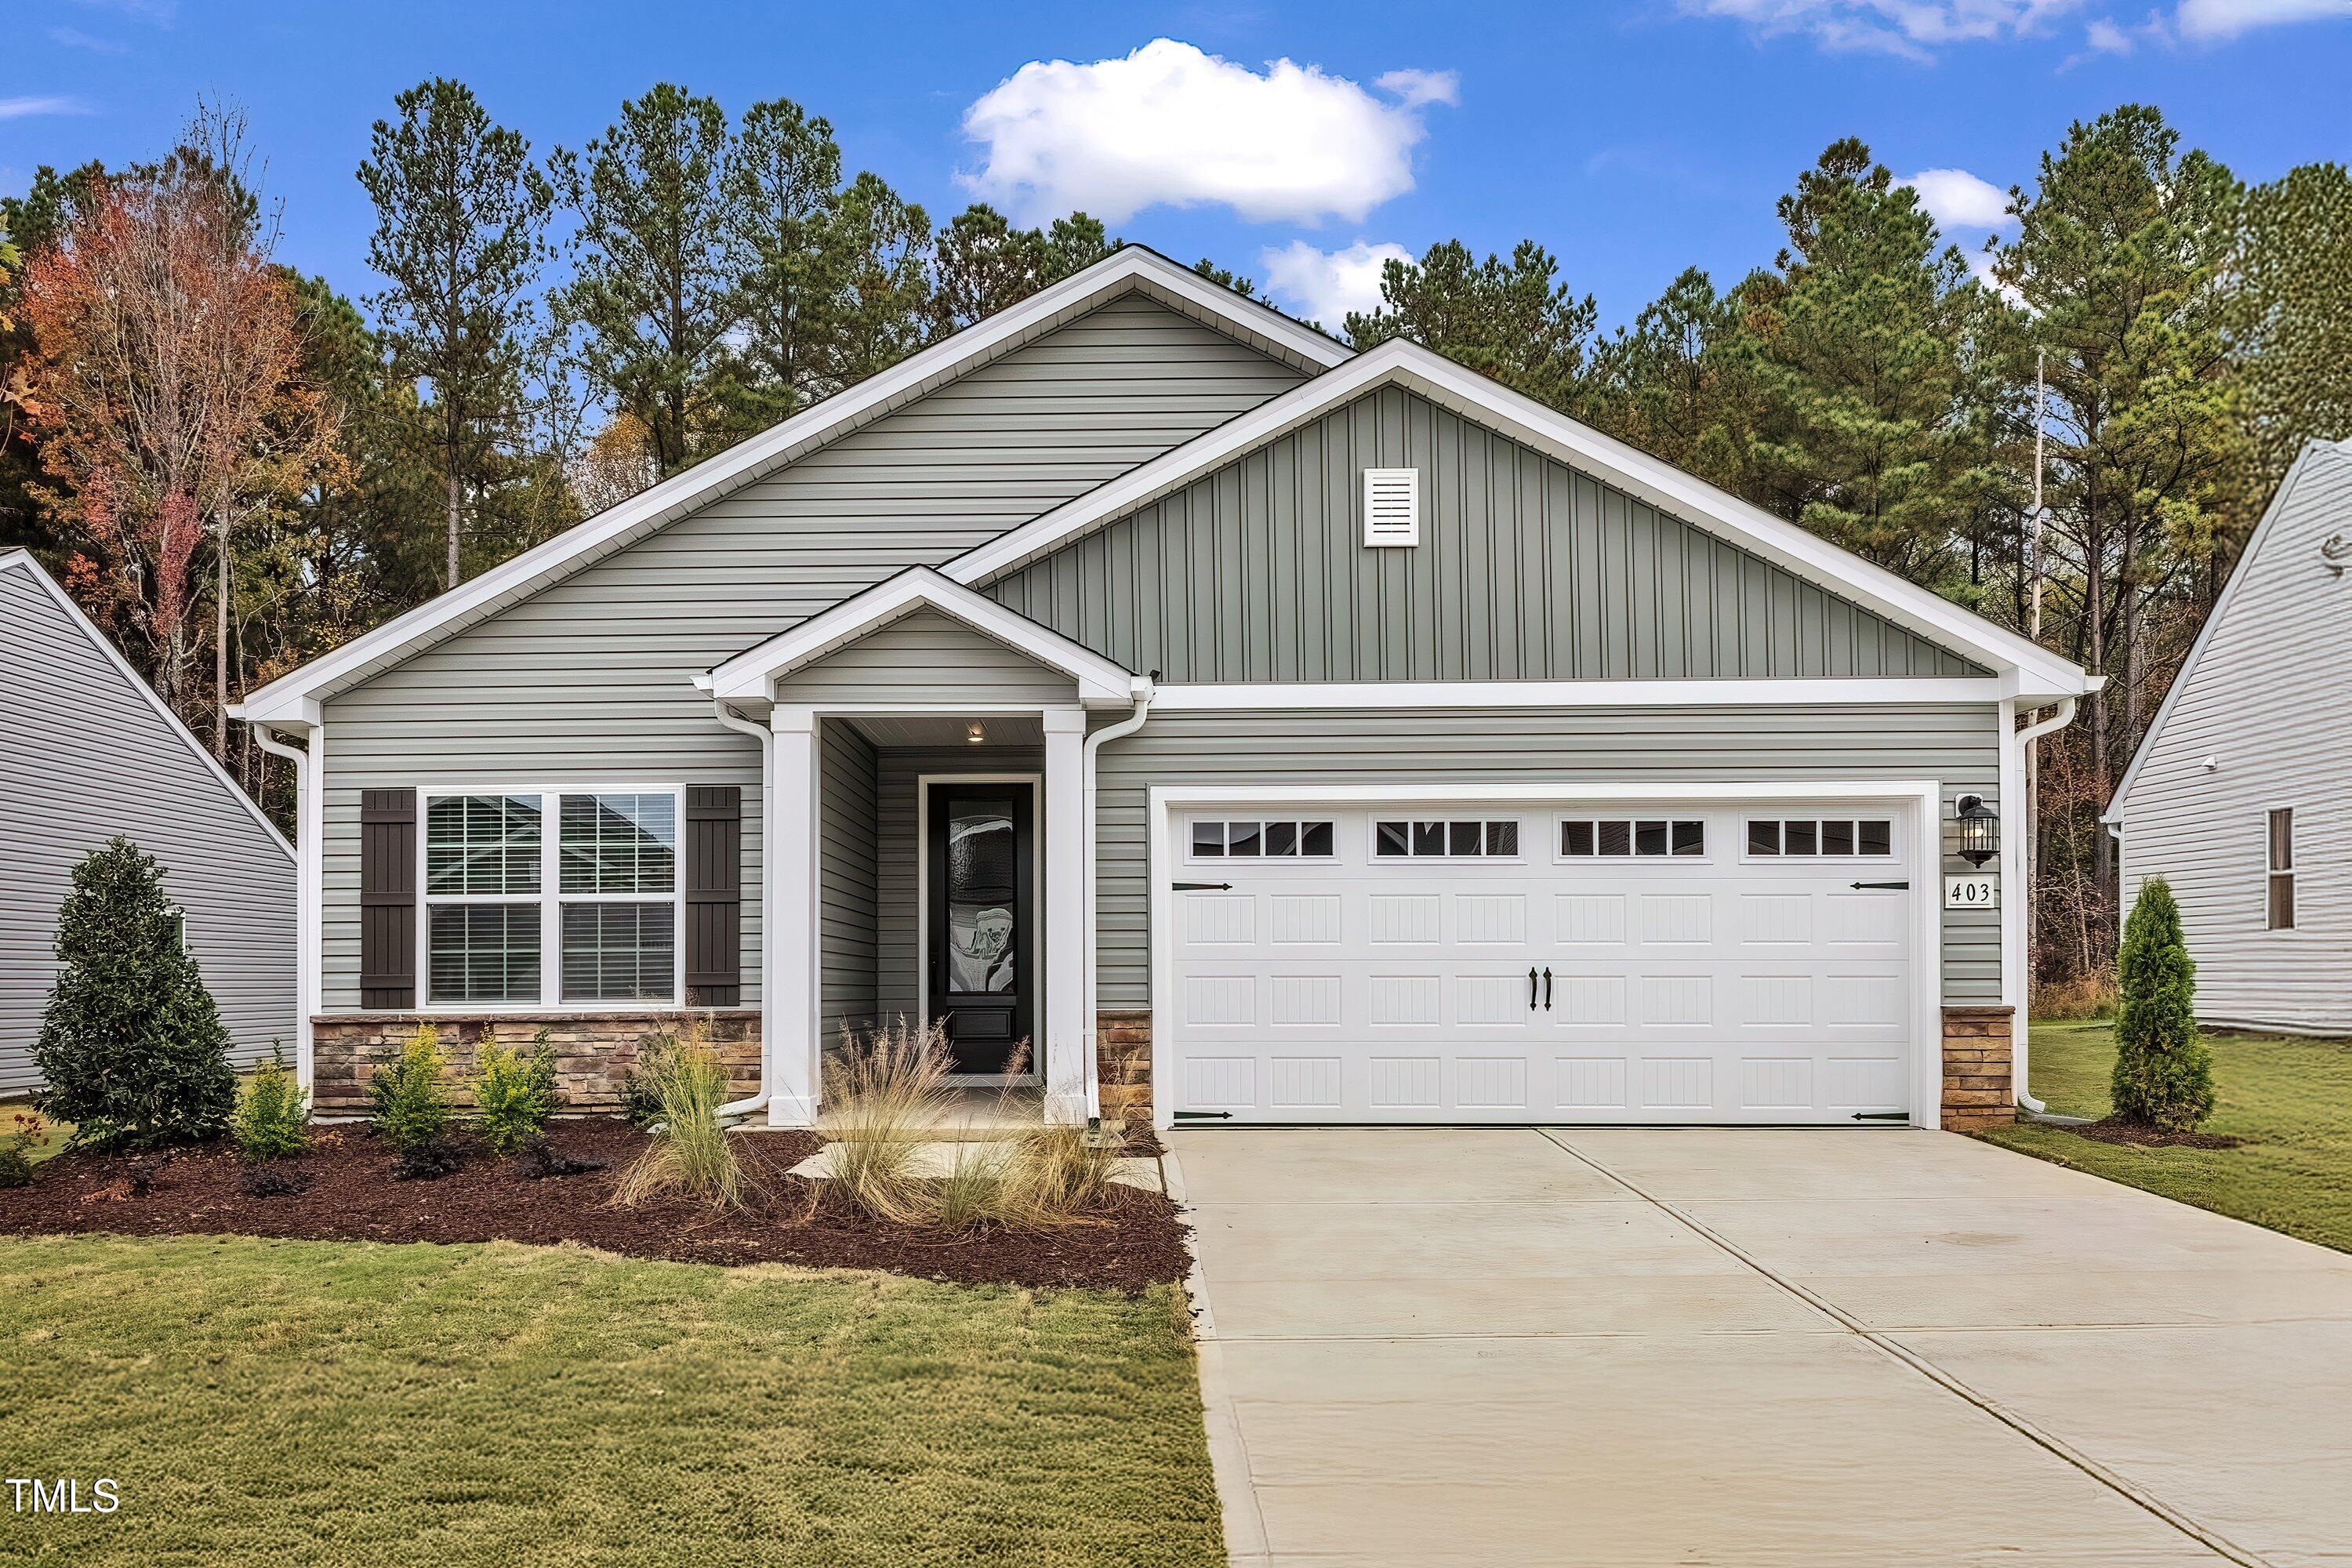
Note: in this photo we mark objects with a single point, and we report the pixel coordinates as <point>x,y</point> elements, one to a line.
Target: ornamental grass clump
<point>690,1152</point>
<point>273,1113</point>
<point>515,1095</point>
<point>410,1107</point>
<point>2163,1073</point>
<point>1060,1174</point>
<point>885,1096</point>
<point>132,1049</point>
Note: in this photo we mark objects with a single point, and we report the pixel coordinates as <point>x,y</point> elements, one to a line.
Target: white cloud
<point>1170,125</point>
<point>1326,284</point>
<point>2217,19</point>
<point>75,38</point>
<point>1958,199</point>
<point>1909,28</point>
<point>2105,38</point>
<point>26,108</point>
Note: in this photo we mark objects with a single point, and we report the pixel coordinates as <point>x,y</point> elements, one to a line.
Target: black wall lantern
<point>1980,829</point>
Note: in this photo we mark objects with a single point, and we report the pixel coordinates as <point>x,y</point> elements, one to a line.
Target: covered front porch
<point>926,839</point>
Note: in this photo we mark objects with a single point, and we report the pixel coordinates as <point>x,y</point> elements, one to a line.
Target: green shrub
<point>2164,1074</point>
<point>641,1083</point>
<point>411,1106</point>
<point>690,1152</point>
<point>516,1094</point>
<point>273,1113</point>
<point>130,1046</point>
<point>25,1134</point>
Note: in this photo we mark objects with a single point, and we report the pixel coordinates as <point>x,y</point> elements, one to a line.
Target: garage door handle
<point>1203,886</point>
<point>1891,887</point>
<point>1531,987</point>
<point>1547,990</point>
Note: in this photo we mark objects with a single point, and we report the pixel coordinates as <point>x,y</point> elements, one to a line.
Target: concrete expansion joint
<point>1887,1344</point>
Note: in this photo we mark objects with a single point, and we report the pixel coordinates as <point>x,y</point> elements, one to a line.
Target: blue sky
<point>1631,137</point>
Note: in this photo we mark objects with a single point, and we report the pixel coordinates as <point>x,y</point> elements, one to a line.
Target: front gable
<point>1526,569</point>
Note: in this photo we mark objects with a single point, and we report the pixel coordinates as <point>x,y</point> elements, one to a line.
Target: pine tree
<point>131,1044</point>
<point>2292,313</point>
<point>2164,1074</point>
<point>783,183</point>
<point>1676,385</point>
<point>1513,321</point>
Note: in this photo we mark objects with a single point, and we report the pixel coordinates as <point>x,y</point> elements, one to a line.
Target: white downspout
<point>2020,1045</point>
<point>306,919</point>
<point>760,734</point>
<point>1144,690</point>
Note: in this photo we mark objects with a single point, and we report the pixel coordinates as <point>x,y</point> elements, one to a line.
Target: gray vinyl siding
<point>2264,702</point>
<point>927,656</point>
<point>1955,744</point>
<point>846,807</point>
<point>1526,570</point>
<point>84,756</point>
<point>591,680</point>
<point>899,980</point>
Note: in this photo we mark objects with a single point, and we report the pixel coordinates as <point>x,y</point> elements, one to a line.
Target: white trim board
<point>2035,670</point>
<point>752,674</point>
<point>1453,694</point>
<point>98,639</point>
<point>1129,269</point>
<point>1923,798</point>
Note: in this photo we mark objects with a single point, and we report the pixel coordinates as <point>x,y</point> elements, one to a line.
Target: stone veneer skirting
<point>593,1051</point>
<point>1978,1091</point>
<point>1123,1066</point>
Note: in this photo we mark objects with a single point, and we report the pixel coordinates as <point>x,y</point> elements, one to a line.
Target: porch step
<point>938,1159</point>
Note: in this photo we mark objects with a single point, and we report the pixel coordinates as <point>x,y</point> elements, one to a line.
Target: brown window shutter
<point>714,896</point>
<point>388,900</point>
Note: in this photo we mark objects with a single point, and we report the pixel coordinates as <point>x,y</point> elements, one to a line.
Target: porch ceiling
<point>913,730</point>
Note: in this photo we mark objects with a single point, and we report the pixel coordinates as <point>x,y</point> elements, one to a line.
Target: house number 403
<point>1972,892</point>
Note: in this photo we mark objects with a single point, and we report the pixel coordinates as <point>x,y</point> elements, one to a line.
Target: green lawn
<point>2290,1100</point>
<point>313,1403</point>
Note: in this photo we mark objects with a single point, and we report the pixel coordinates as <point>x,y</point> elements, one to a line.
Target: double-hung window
<point>536,899</point>
<point>2278,888</point>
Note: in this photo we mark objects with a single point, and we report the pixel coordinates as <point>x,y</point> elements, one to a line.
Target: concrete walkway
<point>1733,1347</point>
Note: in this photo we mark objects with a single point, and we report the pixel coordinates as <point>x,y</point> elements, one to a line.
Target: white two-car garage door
<point>1649,962</point>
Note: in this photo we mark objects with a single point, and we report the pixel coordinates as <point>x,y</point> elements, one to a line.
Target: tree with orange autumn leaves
<point>167,391</point>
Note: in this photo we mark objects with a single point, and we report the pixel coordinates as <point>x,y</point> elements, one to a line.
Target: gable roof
<point>21,560</point>
<point>2029,669</point>
<point>2281,502</point>
<point>291,700</point>
<point>750,674</point>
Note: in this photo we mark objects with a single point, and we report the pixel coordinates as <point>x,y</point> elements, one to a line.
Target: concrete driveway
<point>1633,1347</point>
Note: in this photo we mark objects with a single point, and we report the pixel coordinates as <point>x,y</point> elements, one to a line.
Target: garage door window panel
<point>1282,839</point>
<point>1438,838</point>
<point>1828,838</point>
<point>1647,839</point>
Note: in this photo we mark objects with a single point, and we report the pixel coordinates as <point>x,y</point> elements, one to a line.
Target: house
<point>1204,721</point>
<point>2233,795</point>
<point>87,750</point>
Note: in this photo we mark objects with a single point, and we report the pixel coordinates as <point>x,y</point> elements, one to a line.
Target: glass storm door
<point>981,912</point>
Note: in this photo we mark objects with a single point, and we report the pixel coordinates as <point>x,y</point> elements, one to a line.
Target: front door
<point>982,910</point>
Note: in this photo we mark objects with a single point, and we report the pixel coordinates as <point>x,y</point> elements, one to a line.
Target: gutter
<point>306,920</point>
<point>2020,1048</point>
<point>766,737</point>
<point>1144,690</point>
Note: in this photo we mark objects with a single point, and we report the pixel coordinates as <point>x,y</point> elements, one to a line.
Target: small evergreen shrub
<point>411,1107</point>
<point>130,1046</point>
<point>515,1094</point>
<point>276,1179</point>
<point>2164,1074</point>
<point>641,1083</point>
<point>272,1114</point>
<point>25,1134</point>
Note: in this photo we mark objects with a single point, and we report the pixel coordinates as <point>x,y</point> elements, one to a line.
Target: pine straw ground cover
<point>305,1403</point>
<point>2288,1101</point>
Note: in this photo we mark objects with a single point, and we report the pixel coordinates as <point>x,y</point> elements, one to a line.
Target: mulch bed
<point>345,1191</point>
<point>2113,1130</point>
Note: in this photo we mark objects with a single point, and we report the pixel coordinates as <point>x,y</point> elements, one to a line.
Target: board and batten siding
<point>1526,570</point>
<point>2264,702</point>
<point>1955,744</point>
<point>591,680</point>
<point>927,656</point>
<point>84,755</point>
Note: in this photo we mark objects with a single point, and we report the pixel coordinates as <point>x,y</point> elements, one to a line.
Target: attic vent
<point>1392,506</point>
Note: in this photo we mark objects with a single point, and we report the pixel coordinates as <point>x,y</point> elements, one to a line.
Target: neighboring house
<point>1263,731</point>
<point>2237,795</point>
<point>89,750</point>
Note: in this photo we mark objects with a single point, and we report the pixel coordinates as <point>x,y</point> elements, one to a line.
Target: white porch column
<point>791,972</point>
<point>1062,822</point>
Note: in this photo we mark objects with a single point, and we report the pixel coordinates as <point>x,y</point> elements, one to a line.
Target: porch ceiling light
<point>1980,829</point>
<point>975,733</point>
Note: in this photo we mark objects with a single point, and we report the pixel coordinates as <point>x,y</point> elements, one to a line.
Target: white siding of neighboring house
<point>2267,702</point>
<point>85,754</point>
